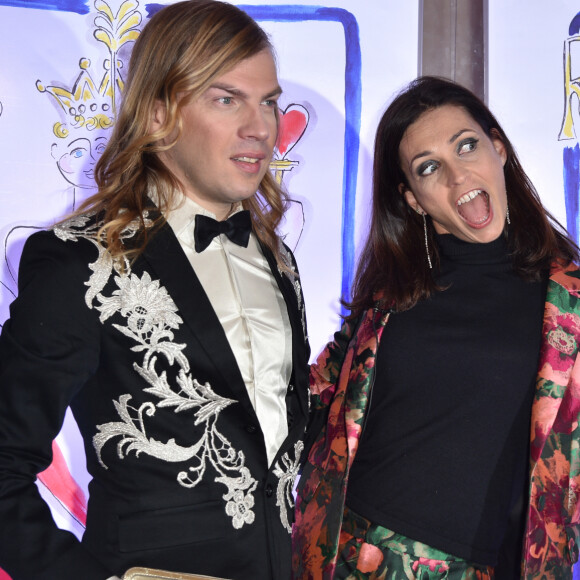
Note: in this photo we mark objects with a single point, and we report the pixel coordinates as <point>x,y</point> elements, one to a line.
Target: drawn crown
<point>87,105</point>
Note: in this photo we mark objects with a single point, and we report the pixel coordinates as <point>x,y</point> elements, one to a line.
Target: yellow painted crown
<point>86,104</point>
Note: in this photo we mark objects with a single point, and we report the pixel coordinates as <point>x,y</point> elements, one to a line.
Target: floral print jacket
<point>340,382</point>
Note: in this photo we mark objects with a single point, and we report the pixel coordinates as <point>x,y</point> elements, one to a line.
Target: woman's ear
<point>410,198</point>
<point>498,145</point>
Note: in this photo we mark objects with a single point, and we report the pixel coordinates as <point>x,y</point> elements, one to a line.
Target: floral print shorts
<point>371,552</point>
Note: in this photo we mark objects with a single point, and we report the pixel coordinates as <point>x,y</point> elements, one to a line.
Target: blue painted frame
<point>78,6</point>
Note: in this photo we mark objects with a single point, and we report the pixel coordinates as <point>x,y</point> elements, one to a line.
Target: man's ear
<point>410,198</point>
<point>158,115</point>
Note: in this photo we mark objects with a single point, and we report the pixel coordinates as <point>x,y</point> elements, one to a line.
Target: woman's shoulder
<point>564,289</point>
<point>567,276</point>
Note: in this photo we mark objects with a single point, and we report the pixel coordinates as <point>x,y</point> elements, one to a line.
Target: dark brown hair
<point>177,56</point>
<point>393,259</point>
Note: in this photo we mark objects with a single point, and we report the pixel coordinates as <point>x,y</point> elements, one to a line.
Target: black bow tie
<point>237,229</point>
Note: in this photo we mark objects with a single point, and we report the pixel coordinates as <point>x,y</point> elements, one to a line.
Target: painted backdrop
<point>62,64</point>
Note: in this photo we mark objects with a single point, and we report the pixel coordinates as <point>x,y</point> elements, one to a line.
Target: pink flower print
<point>439,566</point>
<point>369,559</point>
<point>562,341</point>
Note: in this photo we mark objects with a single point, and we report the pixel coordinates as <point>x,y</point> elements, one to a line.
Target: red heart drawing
<point>293,123</point>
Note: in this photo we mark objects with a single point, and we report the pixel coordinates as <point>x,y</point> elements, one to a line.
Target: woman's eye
<point>467,145</point>
<point>225,100</point>
<point>427,168</point>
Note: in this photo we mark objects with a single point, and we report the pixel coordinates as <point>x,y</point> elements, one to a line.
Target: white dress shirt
<point>252,311</point>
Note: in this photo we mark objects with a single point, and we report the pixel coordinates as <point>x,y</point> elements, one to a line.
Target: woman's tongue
<point>475,211</point>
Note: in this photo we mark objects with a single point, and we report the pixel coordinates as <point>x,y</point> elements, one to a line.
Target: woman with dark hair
<point>462,337</point>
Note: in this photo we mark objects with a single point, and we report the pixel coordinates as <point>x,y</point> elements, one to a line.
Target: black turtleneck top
<point>444,453</point>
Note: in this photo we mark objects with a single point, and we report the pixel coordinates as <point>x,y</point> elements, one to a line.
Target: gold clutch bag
<point>153,574</point>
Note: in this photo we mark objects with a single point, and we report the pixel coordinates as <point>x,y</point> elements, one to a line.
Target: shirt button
<point>269,490</point>
<point>251,429</point>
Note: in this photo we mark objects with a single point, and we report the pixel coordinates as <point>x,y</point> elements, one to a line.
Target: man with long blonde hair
<point>169,316</point>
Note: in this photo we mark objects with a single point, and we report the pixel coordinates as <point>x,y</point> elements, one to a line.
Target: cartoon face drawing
<point>76,158</point>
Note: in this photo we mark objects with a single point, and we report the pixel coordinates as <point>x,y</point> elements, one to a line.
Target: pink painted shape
<point>293,123</point>
<point>62,485</point>
<point>3,575</point>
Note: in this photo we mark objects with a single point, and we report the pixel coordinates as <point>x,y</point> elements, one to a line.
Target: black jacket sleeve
<point>48,349</point>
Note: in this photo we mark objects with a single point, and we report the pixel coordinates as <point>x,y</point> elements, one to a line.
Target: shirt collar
<point>181,217</point>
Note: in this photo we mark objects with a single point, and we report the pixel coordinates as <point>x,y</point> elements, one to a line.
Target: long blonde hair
<point>179,52</point>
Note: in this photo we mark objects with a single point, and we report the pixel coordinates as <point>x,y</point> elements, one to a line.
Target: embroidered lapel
<point>291,290</point>
<point>167,260</point>
<point>139,306</point>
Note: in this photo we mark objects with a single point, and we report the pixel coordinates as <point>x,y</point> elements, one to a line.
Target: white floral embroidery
<point>287,474</point>
<point>150,319</point>
<point>145,304</point>
<point>294,280</point>
<point>240,504</point>
<point>74,229</point>
<point>65,230</point>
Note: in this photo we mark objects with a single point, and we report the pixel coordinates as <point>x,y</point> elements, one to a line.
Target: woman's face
<point>455,174</point>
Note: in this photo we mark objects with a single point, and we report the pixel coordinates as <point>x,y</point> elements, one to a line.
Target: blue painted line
<point>77,6</point>
<point>571,163</point>
<point>574,27</point>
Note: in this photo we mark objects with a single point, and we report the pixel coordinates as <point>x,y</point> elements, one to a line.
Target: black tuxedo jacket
<point>174,447</point>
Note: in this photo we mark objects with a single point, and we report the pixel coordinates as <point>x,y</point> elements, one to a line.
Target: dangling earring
<point>507,215</point>
<point>426,238</point>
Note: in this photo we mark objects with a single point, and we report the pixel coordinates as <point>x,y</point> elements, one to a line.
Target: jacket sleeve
<point>323,378</point>
<point>325,371</point>
<point>48,349</point>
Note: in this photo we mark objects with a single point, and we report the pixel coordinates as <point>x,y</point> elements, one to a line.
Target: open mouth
<point>474,208</point>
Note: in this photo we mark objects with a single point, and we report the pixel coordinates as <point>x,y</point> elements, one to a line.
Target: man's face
<point>228,135</point>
